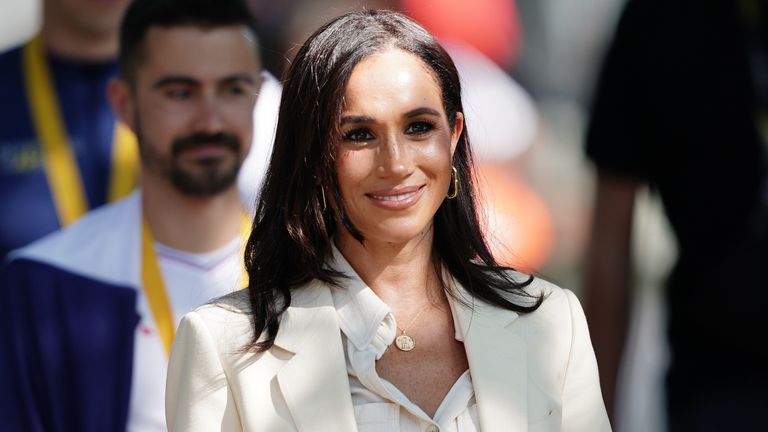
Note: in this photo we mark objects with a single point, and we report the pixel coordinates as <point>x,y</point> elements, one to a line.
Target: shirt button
<point>431,428</point>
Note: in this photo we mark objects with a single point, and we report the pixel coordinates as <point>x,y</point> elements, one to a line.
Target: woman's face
<point>395,148</point>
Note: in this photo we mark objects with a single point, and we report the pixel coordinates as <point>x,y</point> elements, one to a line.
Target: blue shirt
<point>27,210</point>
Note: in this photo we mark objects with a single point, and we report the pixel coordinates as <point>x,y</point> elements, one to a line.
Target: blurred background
<point>529,68</point>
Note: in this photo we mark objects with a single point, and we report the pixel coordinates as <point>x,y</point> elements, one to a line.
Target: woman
<point>374,303</point>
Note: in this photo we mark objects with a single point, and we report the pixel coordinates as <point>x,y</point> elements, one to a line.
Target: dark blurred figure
<point>283,26</point>
<point>679,108</point>
<point>61,150</point>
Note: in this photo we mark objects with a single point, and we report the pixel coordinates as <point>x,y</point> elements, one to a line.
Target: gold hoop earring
<point>322,194</point>
<point>455,193</point>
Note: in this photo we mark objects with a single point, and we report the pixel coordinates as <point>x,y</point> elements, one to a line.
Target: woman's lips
<point>396,199</point>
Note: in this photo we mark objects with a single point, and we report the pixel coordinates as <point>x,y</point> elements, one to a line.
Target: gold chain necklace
<point>404,342</point>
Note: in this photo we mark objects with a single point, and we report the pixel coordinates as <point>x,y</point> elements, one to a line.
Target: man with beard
<point>88,313</point>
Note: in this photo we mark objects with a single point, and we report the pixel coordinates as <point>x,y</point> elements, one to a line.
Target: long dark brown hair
<point>292,231</point>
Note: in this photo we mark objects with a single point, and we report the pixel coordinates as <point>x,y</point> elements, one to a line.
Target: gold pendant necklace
<point>405,342</point>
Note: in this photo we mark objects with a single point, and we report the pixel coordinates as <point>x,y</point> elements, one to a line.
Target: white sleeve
<point>197,394</point>
<point>583,407</point>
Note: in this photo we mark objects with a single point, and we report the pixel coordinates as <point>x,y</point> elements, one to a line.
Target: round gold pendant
<point>404,342</point>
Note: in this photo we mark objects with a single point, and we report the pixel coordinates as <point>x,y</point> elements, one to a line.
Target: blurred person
<point>519,226</point>
<point>373,300</point>
<point>89,312</point>
<point>490,26</point>
<point>285,24</point>
<point>61,150</point>
<point>19,20</point>
<point>679,108</point>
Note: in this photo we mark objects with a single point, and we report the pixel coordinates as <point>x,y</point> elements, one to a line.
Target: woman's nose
<point>394,158</point>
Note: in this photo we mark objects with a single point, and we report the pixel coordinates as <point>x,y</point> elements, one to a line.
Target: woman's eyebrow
<point>421,111</point>
<point>368,119</point>
<point>355,119</point>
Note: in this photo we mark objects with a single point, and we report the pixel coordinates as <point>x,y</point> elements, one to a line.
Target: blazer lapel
<point>497,363</point>
<point>314,381</point>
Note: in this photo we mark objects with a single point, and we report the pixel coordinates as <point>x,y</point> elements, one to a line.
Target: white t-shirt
<point>190,280</point>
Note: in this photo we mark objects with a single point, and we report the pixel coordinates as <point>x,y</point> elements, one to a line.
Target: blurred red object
<point>491,26</point>
<point>516,222</point>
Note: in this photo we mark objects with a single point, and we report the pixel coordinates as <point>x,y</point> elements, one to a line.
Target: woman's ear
<point>121,100</point>
<point>458,127</point>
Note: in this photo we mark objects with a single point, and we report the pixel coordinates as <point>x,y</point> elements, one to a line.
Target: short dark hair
<point>141,15</point>
<point>292,231</point>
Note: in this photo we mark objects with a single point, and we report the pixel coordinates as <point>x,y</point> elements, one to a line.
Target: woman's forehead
<point>391,75</point>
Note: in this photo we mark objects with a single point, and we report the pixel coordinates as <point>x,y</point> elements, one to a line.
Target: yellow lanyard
<point>154,287</point>
<point>59,162</point>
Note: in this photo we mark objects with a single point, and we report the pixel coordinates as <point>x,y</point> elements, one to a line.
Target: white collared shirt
<point>368,329</point>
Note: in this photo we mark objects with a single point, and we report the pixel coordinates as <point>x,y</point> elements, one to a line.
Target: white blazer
<point>530,372</point>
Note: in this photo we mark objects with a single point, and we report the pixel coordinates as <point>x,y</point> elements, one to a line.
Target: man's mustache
<point>197,140</point>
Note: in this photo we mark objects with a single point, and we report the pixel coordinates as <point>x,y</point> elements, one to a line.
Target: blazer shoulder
<point>558,304</point>
<point>556,326</point>
<point>237,302</point>
<point>551,324</point>
<point>227,319</point>
<point>532,288</point>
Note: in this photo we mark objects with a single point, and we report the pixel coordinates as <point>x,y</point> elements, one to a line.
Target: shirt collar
<point>363,317</point>
<point>455,315</point>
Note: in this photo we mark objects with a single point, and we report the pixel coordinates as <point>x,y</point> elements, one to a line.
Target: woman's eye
<point>358,135</point>
<point>419,128</point>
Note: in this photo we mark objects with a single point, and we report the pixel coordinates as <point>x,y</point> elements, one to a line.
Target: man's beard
<point>206,177</point>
